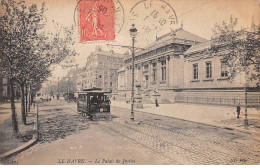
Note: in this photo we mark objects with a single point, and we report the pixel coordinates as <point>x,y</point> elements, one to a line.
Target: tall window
<point>163,70</point>
<point>195,71</point>
<point>154,72</point>
<point>224,69</point>
<point>208,70</point>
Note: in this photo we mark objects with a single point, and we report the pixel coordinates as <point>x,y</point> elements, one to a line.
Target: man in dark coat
<point>156,103</point>
<point>238,110</point>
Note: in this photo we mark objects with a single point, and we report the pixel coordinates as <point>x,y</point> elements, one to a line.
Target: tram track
<point>158,140</point>
<point>224,149</point>
<point>155,152</point>
<point>190,150</point>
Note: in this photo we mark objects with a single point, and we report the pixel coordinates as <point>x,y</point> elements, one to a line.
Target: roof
<point>198,47</point>
<point>179,34</point>
<point>183,34</point>
<point>109,53</point>
<point>93,91</point>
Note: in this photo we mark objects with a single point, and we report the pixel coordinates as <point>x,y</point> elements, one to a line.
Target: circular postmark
<point>93,17</point>
<point>153,15</point>
<point>119,16</point>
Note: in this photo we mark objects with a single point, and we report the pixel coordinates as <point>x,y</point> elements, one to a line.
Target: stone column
<point>150,72</point>
<point>141,78</point>
<point>159,71</point>
<point>167,69</point>
<point>139,74</point>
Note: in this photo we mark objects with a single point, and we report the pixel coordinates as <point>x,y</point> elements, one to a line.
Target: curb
<point>27,144</point>
<point>19,149</point>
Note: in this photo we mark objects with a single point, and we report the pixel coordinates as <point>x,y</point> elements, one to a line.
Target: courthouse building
<point>178,67</point>
<point>100,70</point>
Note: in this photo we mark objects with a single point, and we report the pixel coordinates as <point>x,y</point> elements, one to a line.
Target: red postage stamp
<point>96,20</point>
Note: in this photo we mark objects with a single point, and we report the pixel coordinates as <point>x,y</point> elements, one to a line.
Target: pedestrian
<point>156,103</point>
<point>238,110</point>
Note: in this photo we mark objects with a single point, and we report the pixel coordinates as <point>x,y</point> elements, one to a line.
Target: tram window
<point>81,97</point>
<point>93,99</point>
<point>102,98</point>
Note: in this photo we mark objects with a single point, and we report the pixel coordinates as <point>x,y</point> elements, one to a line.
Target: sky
<point>196,16</point>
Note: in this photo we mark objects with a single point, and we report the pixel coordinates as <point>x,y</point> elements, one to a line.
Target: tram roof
<point>92,90</point>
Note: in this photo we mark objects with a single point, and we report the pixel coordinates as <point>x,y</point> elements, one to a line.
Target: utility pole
<point>68,84</point>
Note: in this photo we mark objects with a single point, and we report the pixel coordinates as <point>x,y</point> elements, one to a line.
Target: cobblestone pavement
<point>175,141</point>
<point>55,123</point>
<point>185,142</point>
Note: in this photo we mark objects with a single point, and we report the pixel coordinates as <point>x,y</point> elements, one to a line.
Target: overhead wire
<point>145,33</point>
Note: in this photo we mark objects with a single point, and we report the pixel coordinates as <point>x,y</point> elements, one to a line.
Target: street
<point>69,138</point>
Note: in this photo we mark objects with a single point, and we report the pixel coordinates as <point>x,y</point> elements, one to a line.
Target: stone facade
<point>177,67</point>
<point>207,79</point>
<point>100,70</point>
<point>159,67</point>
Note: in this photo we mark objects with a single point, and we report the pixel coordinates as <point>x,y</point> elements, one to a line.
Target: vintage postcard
<point>129,82</point>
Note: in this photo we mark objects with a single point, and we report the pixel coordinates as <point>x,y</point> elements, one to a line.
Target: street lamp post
<point>246,120</point>
<point>133,32</point>
<point>69,86</point>
<point>58,96</point>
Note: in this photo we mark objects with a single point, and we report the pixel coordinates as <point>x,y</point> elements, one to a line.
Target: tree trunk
<point>26,100</point>
<point>14,115</point>
<point>29,99</point>
<point>23,104</point>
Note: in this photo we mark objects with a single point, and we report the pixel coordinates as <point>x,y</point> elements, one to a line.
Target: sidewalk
<point>8,141</point>
<point>219,116</point>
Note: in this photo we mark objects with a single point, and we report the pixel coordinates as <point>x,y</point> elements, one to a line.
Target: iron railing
<point>251,102</point>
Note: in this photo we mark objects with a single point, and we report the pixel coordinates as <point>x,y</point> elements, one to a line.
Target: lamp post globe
<point>133,32</point>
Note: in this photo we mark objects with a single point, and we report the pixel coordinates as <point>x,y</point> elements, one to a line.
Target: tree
<point>28,52</point>
<point>242,46</point>
<point>241,52</point>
